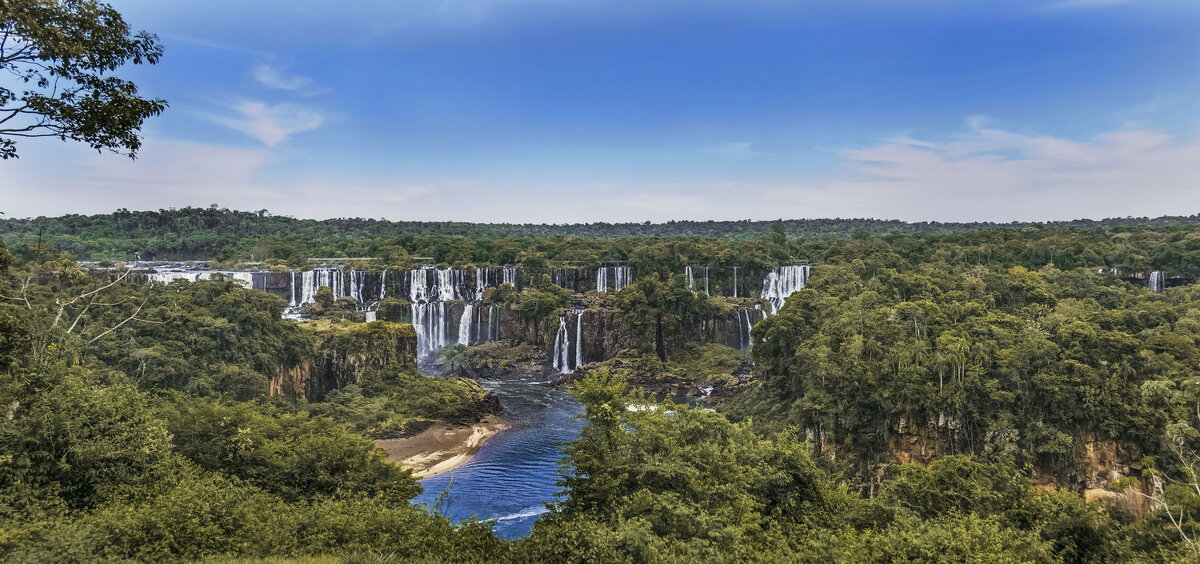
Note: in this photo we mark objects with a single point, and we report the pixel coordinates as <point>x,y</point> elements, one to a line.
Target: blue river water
<point>516,472</point>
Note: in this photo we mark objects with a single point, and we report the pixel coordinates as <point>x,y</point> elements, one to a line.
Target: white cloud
<point>993,174</point>
<point>57,179</point>
<point>272,77</point>
<point>271,124</point>
<point>976,174</point>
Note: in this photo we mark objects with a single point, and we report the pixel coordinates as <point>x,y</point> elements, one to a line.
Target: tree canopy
<point>62,54</point>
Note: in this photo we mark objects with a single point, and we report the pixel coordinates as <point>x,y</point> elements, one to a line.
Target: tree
<point>63,52</point>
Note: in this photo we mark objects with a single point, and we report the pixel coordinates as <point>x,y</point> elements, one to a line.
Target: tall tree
<point>62,53</point>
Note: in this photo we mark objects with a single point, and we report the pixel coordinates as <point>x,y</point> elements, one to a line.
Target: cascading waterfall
<point>1157,282</point>
<point>464,324</point>
<point>743,321</point>
<point>358,279</point>
<point>621,277</point>
<point>735,282</point>
<point>424,313</point>
<point>168,277</point>
<point>690,277</point>
<point>244,278</point>
<point>313,279</point>
<point>431,290</point>
<point>383,285</point>
<point>562,347</point>
<point>579,338</point>
<point>782,282</point>
<point>480,282</point>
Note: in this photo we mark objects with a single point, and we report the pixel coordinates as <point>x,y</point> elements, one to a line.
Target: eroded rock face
<point>346,353</point>
<point>1102,462</point>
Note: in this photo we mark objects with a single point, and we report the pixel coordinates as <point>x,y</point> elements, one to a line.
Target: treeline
<point>206,233</point>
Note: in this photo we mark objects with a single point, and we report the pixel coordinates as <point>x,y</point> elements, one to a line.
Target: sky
<point>561,111</point>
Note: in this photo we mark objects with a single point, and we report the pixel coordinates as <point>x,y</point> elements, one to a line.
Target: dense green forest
<point>140,421</point>
<point>208,233</point>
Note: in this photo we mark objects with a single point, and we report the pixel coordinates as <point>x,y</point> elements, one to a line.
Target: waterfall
<point>579,338</point>
<point>168,277</point>
<point>383,286</point>
<point>782,282</point>
<point>687,274</point>
<point>431,290</point>
<point>562,347</point>
<point>423,311</point>
<point>735,282</point>
<point>358,281</point>
<point>480,282</point>
<point>246,278</point>
<point>706,281</point>
<point>1157,282</point>
<point>623,277</point>
<point>371,316</point>
<point>464,325</point>
<point>317,277</point>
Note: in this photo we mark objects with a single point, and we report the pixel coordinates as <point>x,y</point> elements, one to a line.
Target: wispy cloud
<point>994,174</point>
<point>271,124</point>
<point>220,46</point>
<point>172,173</point>
<point>273,77</point>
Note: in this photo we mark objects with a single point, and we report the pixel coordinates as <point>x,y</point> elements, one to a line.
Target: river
<point>516,472</point>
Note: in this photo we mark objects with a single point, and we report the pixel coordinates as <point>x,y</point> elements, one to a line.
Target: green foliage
<point>999,362</point>
<point>663,249</point>
<point>294,456</point>
<point>74,440</point>
<point>63,55</point>
<point>662,482</point>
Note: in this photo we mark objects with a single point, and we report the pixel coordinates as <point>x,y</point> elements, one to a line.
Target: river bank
<point>441,448</point>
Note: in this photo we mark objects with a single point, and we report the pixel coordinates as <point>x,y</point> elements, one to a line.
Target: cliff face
<point>1101,461</point>
<point>344,354</point>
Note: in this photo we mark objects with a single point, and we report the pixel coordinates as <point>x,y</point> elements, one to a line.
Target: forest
<point>193,233</point>
<point>991,395</point>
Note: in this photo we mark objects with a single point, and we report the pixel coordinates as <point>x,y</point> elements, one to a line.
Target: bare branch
<point>118,326</point>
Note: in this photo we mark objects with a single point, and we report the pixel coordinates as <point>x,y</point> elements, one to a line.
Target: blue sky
<point>607,110</point>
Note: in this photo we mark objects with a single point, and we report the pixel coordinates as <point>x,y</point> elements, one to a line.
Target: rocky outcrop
<point>346,353</point>
<point>1102,466</point>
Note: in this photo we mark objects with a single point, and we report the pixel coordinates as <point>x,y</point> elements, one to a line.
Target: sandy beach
<point>441,448</point>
